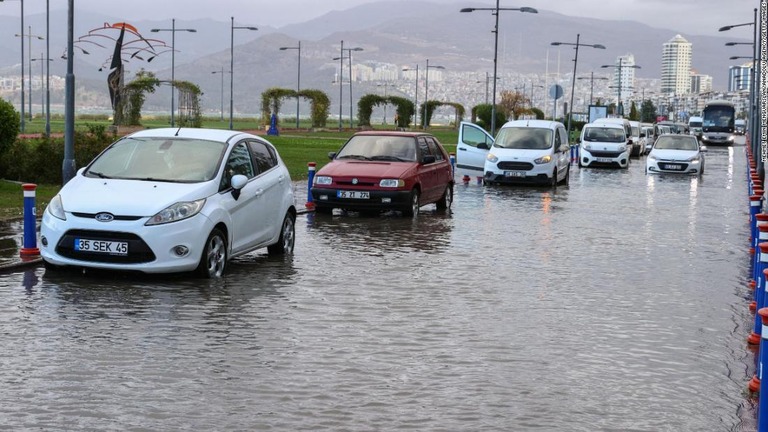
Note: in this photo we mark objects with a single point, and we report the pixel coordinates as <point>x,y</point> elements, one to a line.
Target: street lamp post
<point>495,11</point>
<point>298,78</point>
<point>341,81</point>
<point>573,78</point>
<point>29,36</point>
<point>532,87</point>
<point>232,29</point>
<point>221,72</point>
<point>415,92</point>
<point>754,130</point>
<point>619,108</point>
<point>426,92</point>
<point>173,31</point>
<point>42,93</point>
<point>592,79</point>
<point>385,97</point>
<point>22,63</point>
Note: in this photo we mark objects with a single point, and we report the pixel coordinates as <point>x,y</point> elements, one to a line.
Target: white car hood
<point>519,154</point>
<point>128,197</point>
<point>673,155</point>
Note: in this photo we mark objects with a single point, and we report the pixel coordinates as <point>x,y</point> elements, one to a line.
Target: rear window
<point>524,138</point>
<point>604,134</point>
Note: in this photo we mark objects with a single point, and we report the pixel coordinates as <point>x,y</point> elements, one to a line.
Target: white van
<point>529,151</point>
<point>604,144</point>
<point>633,139</point>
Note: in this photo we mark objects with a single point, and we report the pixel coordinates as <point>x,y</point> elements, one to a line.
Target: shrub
<point>9,125</point>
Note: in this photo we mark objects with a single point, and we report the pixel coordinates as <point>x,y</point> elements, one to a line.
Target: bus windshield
<point>718,118</point>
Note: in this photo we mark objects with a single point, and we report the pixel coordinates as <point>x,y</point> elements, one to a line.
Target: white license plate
<point>514,173</point>
<point>605,160</point>
<point>101,246</point>
<point>673,167</point>
<point>353,194</point>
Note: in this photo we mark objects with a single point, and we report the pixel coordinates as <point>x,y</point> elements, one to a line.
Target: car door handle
<point>462,149</point>
<point>258,192</point>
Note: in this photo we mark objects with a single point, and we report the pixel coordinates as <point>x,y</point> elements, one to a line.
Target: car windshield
<point>527,138</point>
<point>159,159</point>
<point>377,147</point>
<point>673,142</point>
<point>604,134</point>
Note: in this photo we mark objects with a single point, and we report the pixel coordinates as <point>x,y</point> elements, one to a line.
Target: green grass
<point>296,148</point>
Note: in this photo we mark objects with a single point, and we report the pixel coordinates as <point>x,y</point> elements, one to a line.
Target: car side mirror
<point>238,182</point>
<point>428,159</point>
<point>483,146</point>
<point>331,155</point>
<point>703,149</point>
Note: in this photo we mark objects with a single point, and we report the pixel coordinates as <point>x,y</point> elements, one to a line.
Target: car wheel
<point>553,181</point>
<point>447,199</point>
<point>214,257</point>
<point>567,178</point>
<point>413,206</point>
<point>287,239</point>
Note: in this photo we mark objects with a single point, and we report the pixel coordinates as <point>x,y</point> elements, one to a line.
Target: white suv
<point>604,144</point>
<point>529,151</point>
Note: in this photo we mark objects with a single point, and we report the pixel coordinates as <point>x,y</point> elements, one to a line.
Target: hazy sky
<point>682,16</point>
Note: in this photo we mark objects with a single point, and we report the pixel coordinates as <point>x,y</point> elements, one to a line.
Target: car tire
<point>553,182</point>
<point>567,179</point>
<point>412,208</point>
<point>213,260</point>
<point>446,200</point>
<point>287,239</point>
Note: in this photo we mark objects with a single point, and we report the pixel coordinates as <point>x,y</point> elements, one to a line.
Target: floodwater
<point>619,303</point>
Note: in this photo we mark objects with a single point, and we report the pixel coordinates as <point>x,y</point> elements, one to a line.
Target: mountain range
<point>403,33</point>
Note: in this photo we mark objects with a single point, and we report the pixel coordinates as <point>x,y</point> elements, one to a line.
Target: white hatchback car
<point>529,151</point>
<point>172,200</point>
<point>675,153</point>
<point>604,144</point>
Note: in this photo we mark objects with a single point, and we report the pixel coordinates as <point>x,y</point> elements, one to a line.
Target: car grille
<point>673,166</point>
<point>116,217</point>
<point>138,250</point>
<point>605,154</point>
<point>360,182</point>
<point>518,166</point>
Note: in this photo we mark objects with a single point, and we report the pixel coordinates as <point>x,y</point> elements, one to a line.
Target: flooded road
<point>618,303</point>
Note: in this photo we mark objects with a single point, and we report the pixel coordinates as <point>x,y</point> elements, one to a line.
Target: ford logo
<point>354,181</point>
<point>104,217</point>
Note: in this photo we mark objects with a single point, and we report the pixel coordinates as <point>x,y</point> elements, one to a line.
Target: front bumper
<point>589,158</point>
<point>378,200</point>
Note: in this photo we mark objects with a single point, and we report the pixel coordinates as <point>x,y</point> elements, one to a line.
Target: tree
<point>538,113</point>
<point>481,114</point>
<point>513,104</point>
<point>647,112</point>
<point>9,125</point>
<point>633,113</point>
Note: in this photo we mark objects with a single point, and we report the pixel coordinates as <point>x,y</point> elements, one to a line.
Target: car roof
<point>222,135</point>
<point>545,124</point>
<point>612,120</point>
<point>393,133</point>
<point>604,125</point>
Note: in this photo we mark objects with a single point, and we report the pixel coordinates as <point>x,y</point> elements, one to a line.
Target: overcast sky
<point>682,16</point>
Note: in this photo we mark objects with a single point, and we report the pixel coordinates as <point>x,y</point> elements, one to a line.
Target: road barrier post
<point>29,249</point>
<point>311,167</point>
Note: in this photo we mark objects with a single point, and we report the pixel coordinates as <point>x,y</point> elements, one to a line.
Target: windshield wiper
<point>388,158</point>
<point>359,157</point>
<point>99,175</point>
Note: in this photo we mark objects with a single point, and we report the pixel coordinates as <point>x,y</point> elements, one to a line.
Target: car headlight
<point>622,149</point>
<point>177,212</point>
<point>56,208</point>
<point>694,159</point>
<point>492,158</point>
<point>543,159</point>
<point>392,183</point>
<point>730,137</point>
<point>323,180</point>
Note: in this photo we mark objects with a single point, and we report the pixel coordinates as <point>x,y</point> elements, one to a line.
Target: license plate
<point>605,160</point>
<point>101,246</point>
<point>353,194</point>
<point>514,173</point>
<point>673,167</point>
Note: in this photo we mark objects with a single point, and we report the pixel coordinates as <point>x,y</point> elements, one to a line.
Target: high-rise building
<point>676,66</point>
<point>701,83</point>
<point>739,77</point>
<point>624,76</point>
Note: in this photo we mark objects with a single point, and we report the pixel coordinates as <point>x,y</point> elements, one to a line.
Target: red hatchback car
<point>380,171</point>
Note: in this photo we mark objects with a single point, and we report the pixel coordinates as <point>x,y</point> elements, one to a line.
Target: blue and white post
<point>311,167</point>
<point>452,156</point>
<point>762,411</point>
<point>760,274</point>
<point>29,249</point>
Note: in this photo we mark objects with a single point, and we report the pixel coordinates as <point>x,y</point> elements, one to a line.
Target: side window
<point>435,149</point>
<point>239,162</point>
<point>423,148</point>
<point>558,139</point>
<point>263,156</point>
<point>472,136</point>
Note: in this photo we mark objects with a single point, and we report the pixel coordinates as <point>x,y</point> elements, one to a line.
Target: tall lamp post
<point>173,31</point>
<point>232,29</point>
<point>29,36</point>
<point>42,85</point>
<point>532,87</point>
<point>221,72</point>
<point>618,67</point>
<point>415,92</point>
<point>573,78</point>
<point>495,11</point>
<point>592,79</point>
<point>754,129</point>
<point>341,81</point>
<point>22,63</point>
<point>426,92</point>
<point>298,78</point>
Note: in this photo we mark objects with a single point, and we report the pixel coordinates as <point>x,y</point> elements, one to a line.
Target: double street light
<point>341,80</point>
<point>298,78</point>
<point>592,79</point>
<point>221,72</point>
<point>426,92</point>
<point>573,78</point>
<point>415,92</point>
<point>173,31</point>
<point>232,29</point>
<point>495,11</point>
<point>43,96</point>
<point>29,35</point>
<point>22,63</point>
<point>618,67</point>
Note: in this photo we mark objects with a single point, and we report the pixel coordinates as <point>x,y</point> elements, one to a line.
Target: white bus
<point>718,122</point>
